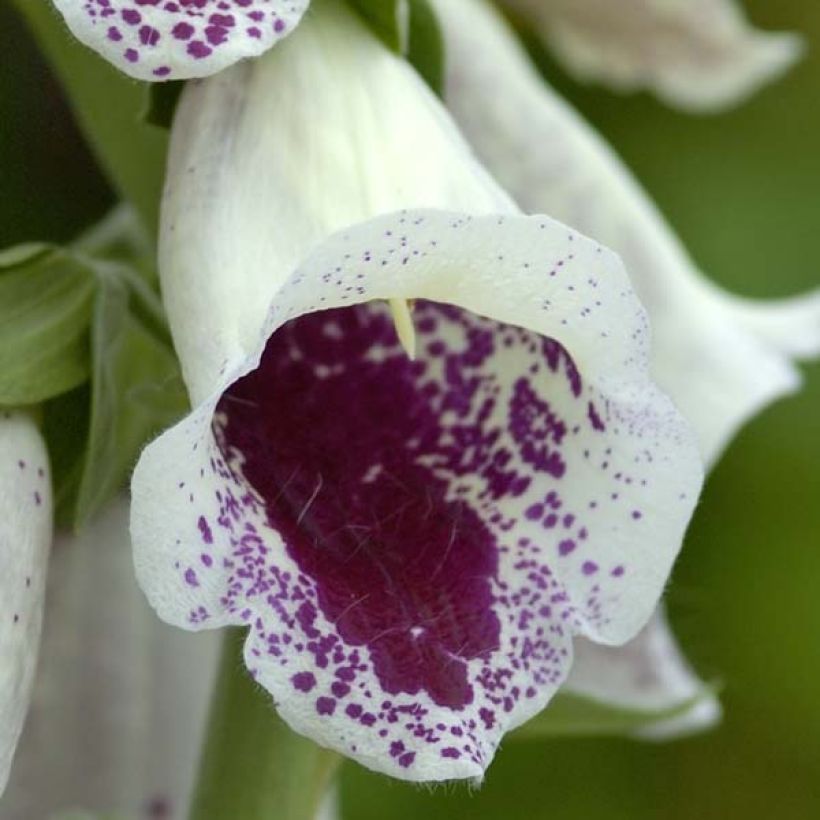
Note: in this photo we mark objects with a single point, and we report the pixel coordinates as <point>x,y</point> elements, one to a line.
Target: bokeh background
<point>743,190</point>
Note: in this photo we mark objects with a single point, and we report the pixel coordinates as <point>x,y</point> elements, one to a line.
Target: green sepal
<point>569,715</point>
<point>382,17</point>
<point>46,297</point>
<point>409,28</point>
<point>425,44</point>
<point>134,393</point>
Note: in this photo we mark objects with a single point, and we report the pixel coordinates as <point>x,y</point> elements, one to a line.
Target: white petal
<point>647,673</point>
<point>695,54</point>
<point>25,538</point>
<point>721,359</point>
<point>120,699</point>
<point>156,40</point>
<point>272,156</point>
<point>582,546</point>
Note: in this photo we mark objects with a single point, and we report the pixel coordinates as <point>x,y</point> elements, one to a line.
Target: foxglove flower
<point>119,701</point>
<point>695,54</point>
<point>25,538</point>
<point>720,357</point>
<point>412,544</point>
<point>179,39</point>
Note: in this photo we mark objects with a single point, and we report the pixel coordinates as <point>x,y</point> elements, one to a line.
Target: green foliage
<point>86,335</point>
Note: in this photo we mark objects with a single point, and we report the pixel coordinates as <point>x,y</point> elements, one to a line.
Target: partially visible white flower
<point>119,701</point>
<point>720,357</point>
<point>648,674</point>
<point>155,41</point>
<point>25,538</point>
<point>695,54</point>
<point>411,544</point>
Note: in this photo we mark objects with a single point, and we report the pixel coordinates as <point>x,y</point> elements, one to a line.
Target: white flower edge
<point>698,55</point>
<point>120,700</point>
<point>721,358</point>
<point>25,539</point>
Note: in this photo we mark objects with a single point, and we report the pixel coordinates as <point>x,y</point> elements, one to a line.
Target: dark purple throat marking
<point>341,435</point>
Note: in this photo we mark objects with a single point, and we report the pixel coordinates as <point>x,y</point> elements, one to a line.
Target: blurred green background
<point>743,190</point>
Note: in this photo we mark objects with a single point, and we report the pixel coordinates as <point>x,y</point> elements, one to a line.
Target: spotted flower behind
<point>698,55</point>
<point>412,544</point>
<point>179,39</point>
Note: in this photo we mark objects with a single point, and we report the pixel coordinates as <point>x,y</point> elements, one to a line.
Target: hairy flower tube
<point>412,544</point>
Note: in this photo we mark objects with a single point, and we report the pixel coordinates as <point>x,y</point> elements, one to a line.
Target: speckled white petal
<point>557,477</point>
<point>270,157</point>
<point>158,40</point>
<point>721,358</point>
<point>25,539</point>
<point>699,55</point>
<point>120,699</point>
<point>647,673</point>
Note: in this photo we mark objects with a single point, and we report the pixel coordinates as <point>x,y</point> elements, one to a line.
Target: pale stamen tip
<point>403,320</point>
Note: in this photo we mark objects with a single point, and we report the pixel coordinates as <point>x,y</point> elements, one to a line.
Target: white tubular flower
<point>25,538</point>
<point>721,358</point>
<point>158,40</point>
<point>411,544</point>
<point>120,700</point>
<point>695,54</point>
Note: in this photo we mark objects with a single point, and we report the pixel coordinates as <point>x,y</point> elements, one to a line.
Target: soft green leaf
<point>568,715</point>
<point>45,308</point>
<point>135,393</point>
<point>425,44</point>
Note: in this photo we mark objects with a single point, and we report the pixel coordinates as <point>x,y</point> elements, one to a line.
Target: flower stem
<point>253,766</point>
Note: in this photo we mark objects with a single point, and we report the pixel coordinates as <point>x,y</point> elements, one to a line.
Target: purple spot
<point>303,681</point>
<point>190,578</point>
<point>589,568</point>
<point>325,706</point>
<point>566,546</point>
